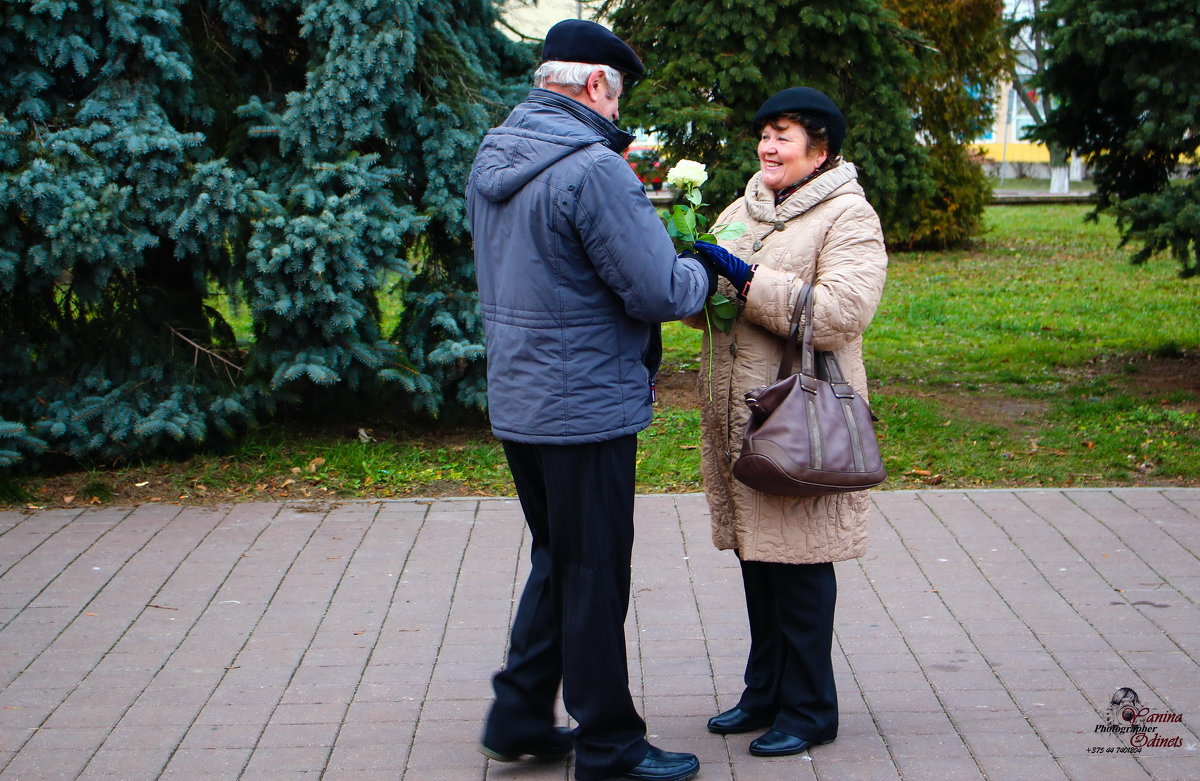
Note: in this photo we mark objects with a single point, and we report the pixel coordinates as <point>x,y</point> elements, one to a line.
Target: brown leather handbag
<point>809,434</point>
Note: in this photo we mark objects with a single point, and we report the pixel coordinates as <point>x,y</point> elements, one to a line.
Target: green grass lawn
<point>1038,357</point>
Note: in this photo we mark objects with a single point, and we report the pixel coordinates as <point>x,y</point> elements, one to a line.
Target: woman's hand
<point>728,265</point>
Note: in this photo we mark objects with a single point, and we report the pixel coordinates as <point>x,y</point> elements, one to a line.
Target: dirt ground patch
<point>1153,377</point>
<point>1143,377</point>
<point>1000,410</point>
<point>678,389</point>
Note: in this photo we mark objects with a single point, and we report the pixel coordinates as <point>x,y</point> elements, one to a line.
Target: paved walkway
<point>982,637</point>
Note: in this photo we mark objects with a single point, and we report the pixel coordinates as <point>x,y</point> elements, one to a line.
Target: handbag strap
<point>804,308</point>
<point>828,369</point>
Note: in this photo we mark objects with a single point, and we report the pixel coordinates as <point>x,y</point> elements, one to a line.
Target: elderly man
<point>575,273</point>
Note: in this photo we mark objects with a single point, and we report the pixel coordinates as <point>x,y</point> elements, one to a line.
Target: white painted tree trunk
<point>1060,180</point>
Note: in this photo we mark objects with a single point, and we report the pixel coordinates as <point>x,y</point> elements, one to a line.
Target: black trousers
<point>789,672</point>
<point>570,623</point>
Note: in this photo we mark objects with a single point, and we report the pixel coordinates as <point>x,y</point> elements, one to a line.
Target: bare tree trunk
<point>1060,179</point>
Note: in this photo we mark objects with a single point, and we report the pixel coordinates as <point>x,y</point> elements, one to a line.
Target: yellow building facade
<point>1003,143</point>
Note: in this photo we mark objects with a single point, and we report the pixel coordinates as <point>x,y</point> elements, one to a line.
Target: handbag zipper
<point>856,446</point>
<point>816,453</point>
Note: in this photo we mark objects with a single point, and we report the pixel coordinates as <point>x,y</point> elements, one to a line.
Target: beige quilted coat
<point>827,225</point>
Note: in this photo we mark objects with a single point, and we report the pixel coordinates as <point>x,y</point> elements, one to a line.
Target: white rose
<point>687,173</point>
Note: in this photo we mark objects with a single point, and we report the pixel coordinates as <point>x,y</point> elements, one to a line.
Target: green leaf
<point>726,310</point>
<point>722,312</point>
<point>730,230</point>
<point>693,196</point>
<point>685,223</point>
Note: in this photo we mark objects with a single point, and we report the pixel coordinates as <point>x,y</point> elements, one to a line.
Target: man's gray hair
<point>574,76</point>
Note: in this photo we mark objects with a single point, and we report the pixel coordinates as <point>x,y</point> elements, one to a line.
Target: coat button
<point>757,246</point>
<point>733,348</point>
<point>780,225</point>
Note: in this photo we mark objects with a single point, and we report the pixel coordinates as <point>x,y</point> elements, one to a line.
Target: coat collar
<point>614,137</point>
<point>760,200</point>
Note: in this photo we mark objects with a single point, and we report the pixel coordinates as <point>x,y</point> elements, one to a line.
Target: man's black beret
<point>578,40</point>
<point>811,101</point>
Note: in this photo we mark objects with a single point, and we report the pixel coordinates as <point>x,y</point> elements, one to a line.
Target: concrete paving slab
<point>984,636</point>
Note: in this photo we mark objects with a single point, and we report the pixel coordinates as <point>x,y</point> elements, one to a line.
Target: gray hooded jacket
<point>575,271</point>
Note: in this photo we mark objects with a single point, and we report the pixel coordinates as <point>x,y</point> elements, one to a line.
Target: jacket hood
<point>510,157</point>
<point>537,134</point>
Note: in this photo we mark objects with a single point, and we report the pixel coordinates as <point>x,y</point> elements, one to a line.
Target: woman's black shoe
<point>737,720</point>
<point>662,765</point>
<point>774,743</point>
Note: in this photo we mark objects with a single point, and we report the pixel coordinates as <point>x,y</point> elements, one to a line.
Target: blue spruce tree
<point>155,153</point>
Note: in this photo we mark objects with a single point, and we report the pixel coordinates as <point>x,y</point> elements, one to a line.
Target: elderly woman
<point>808,224</point>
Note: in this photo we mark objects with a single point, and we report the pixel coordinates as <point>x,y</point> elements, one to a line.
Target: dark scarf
<point>612,136</point>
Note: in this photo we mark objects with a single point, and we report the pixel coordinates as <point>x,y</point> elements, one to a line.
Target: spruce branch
<point>501,21</point>
<point>199,348</point>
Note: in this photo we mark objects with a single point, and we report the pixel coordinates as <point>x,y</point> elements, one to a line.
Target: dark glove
<point>728,265</point>
<point>705,264</point>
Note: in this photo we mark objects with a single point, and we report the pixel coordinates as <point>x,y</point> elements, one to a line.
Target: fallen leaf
<point>68,499</point>
<point>315,464</point>
<point>142,484</point>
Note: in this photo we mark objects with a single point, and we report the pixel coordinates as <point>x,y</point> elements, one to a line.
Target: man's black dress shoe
<point>737,720</point>
<point>774,743</point>
<point>552,746</point>
<point>662,765</point>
